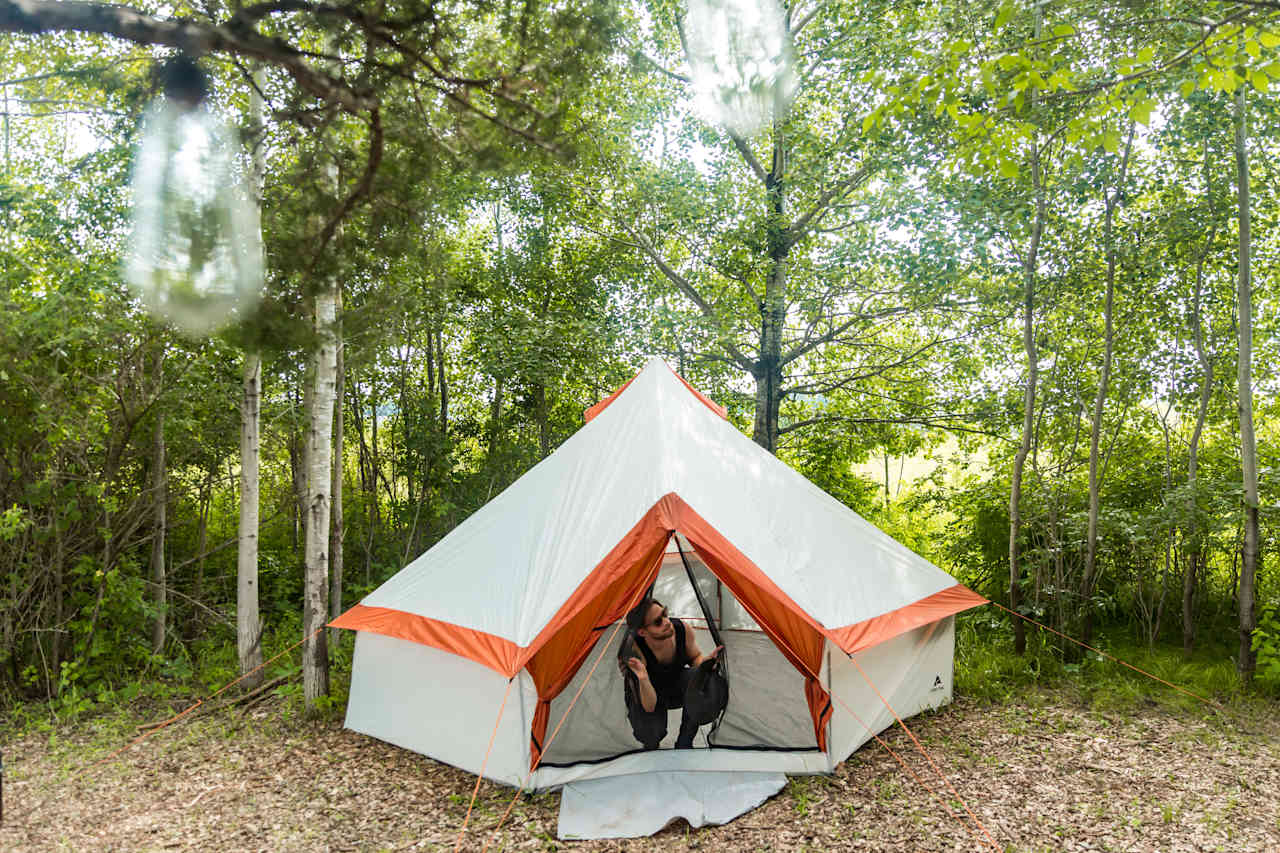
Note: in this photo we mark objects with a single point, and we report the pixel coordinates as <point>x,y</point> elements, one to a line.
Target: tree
<point>160,494</point>
<point>323,380</point>
<point>797,268</point>
<point>1246,660</point>
<point>1110,201</point>
<point>248,620</point>
<point>509,76</point>
<point>336,524</point>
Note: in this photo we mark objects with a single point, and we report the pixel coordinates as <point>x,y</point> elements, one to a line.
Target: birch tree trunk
<point>1246,660</point>
<point>315,658</point>
<point>320,393</point>
<point>336,523</point>
<point>159,488</point>
<point>301,457</point>
<point>248,622</point>
<point>1104,378</point>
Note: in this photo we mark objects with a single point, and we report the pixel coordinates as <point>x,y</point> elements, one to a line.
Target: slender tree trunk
<point>1169,555</point>
<point>1194,544</point>
<point>1104,378</point>
<point>495,420</point>
<point>543,415</point>
<point>315,661</point>
<point>1246,660</point>
<point>248,622</point>
<point>1028,397</point>
<point>59,596</point>
<point>444,384</point>
<point>159,487</point>
<point>886,480</point>
<point>767,370</point>
<point>336,531</point>
<point>368,485</point>
<point>303,439</point>
<point>405,468</point>
<point>202,544</point>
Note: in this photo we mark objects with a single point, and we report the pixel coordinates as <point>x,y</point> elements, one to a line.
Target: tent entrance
<point>767,710</point>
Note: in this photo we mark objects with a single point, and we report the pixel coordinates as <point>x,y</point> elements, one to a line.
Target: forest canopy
<point>1002,280</point>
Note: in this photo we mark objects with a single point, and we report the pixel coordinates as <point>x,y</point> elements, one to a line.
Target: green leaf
<point>1269,40</point>
<point>1003,16</point>
<point>1063,30</point>
<point>1258,80</point>
<point>1141,112</point>
<point>1110,141</point>
<point>1253,49</point>
<point>1009,169</point>
<point>1146,54</point>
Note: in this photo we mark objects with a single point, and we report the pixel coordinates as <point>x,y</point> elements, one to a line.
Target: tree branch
<point>749,156</point>
<point>658,66</point>
<point>686,287</point>
<point>946,422</point>
<point>814,215</point>
<point>39,16</point>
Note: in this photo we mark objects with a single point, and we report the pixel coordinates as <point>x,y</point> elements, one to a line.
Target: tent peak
<point>658,364</point>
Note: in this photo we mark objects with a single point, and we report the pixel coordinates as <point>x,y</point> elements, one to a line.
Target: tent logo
<point>937,683</point>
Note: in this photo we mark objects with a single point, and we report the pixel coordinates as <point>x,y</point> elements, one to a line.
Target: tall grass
<point>987,669</point>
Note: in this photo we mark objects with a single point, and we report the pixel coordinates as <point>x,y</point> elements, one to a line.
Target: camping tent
<point>513,616</point>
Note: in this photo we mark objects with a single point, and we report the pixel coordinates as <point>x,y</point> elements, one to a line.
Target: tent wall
<point>441,705</point>
<point>913,671</point>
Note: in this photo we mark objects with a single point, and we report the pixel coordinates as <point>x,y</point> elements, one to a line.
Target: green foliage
<point>1266,643</point>
<point>490,296</point>
<point>986,668</point>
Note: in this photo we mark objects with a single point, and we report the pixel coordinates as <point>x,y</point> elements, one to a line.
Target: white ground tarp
<point>641,804</point>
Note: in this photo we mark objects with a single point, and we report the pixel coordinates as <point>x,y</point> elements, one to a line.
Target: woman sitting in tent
<point>663,668</point>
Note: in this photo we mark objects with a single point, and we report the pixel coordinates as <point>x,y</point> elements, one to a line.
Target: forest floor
<point>1044,772</point>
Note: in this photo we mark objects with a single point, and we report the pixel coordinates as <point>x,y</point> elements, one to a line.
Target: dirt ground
<point>1042,775</point>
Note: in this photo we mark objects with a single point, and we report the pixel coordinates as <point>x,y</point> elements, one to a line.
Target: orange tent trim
<point>492,651</point>
<point>554,656</point>
<point>872,632</point>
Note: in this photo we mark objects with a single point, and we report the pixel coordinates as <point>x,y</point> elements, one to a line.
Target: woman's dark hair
<point>635,616</point>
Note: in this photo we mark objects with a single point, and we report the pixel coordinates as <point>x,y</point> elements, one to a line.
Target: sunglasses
<point>662,617</point>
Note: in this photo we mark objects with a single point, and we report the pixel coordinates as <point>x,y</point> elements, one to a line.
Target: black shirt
<point>665,677</point>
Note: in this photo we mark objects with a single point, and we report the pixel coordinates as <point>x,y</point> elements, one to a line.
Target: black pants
<point>650,727</point>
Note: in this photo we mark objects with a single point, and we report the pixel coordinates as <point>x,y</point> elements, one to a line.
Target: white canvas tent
<point>513,616</point>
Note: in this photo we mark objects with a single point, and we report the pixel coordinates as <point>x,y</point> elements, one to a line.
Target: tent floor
<point>640,804</point>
